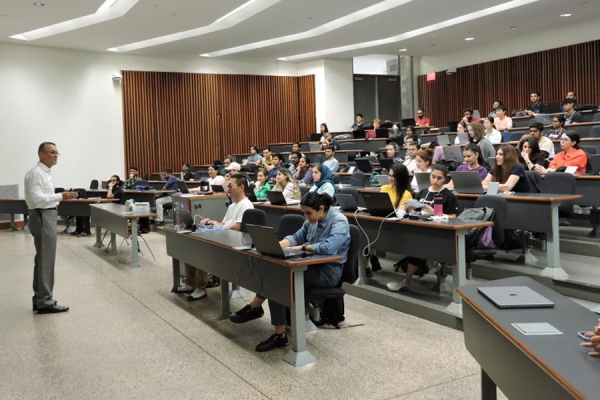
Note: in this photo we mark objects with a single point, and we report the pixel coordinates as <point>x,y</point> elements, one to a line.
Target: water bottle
<point>438,206</point>
<point>176,216</point>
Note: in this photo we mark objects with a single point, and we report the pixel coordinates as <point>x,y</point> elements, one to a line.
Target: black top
<point>536,108</point>
<point>574,118</point>
<point>448,199</point>
<point>118,193</point>
<point>522,185</point>
<point>188,176</point>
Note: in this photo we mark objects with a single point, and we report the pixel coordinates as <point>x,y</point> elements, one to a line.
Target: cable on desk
<point>367,249</point>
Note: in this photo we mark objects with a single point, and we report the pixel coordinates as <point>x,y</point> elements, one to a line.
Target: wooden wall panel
<point>553,73</point>
<point>171,118</point>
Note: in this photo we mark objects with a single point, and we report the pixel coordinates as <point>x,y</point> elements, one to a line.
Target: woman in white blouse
<point>287,184</point>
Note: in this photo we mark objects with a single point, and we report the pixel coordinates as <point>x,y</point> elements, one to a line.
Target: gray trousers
<point>42,225</point>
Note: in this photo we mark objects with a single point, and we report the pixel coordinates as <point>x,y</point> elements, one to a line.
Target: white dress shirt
<point>39,188</point>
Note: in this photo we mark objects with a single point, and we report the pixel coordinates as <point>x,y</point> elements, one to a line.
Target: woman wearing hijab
<point>323,180</point>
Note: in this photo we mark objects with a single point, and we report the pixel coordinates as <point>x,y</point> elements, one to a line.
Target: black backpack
<point>477,214</point>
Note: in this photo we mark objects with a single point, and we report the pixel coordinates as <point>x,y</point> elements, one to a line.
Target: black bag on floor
<point>332,311</point>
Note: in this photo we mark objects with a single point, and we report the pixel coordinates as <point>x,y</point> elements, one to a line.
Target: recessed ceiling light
<point>565,15</point>
<point>512,28</point>
<point>205,55</point>
<point>282,59</point>
<point>39,4</point>
<point>468,39</point>
<point>402,50</point>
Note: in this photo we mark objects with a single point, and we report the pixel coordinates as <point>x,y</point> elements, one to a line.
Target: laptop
<point>463,137</point>
<point>386,163</point>
<point>217,188</point>
<point>467,182</point>
<point>360,134</point>
<point>515,297</point>
<point>383,179</point>
<point>453,126</point>
<point>182,187</point>
<point>453,153</point>
<point>443,140</point>
<point>552,107</point>
<point>408,122</point>
<point>423,180</point>
<point>364,165</point>
<point>378,204</point>
<point>315,137</point>
<point>382,133</point>
<point>314,146</point>
<point>266,243</point>
<point>277,199</point>
<point>346,202</point>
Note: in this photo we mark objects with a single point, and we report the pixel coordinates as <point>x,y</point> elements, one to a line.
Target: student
<point>286,183</point>
<point>213,179</point>
<point>323,180</point>
<point>502,122</point>
<point>226,163</point>
<point>558,128</point>
<point>370,134</point>
<point>412,134</point>
<point>423,162</point>
<point>304,173</point>
<point>133,178</point>
<point>261,186</point>
<point>571,116</point>
<point>396,131</point>
<point>115,189</point>
<point>536,106</point>
<point>461,127</point>
<point>323,130</point>
<point>254,156</point>
<point>410,157</point>
<point>477,135</point>
<point>473,161</point>
<point>536,130</point>
<point>330,161</point>
<point>438,176</point>
<point>508,172</point>
<point>329,141</point>
<point>530,153</point>
<point>571,156</point>
<point>491,133</point>
<point>392,151</point>
<point>399,186</point>
<point>171,184</point>
<point>468,116</point>
<point>275,166</point>
<point>294,160</point>
<point>267,158</point>
<point>186,174</point>
<point>494,107</point>
<point>325,231</point>
<point>359,124</point>
<point>421,119</point>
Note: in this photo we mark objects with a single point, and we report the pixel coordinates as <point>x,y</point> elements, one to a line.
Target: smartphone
<point>582,336</point>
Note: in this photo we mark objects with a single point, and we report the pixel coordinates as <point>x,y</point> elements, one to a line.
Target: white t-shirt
<point>235,212</point>
<point>218,180</point>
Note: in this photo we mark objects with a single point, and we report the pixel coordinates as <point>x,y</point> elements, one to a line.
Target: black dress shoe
<point>369,273</point>
<point>275,341</point>
<point>375,264</point>
<point>75,233</point>
<point>52,309</point>
<point>35,307</point>
<point>246,314</point>
<point>85,233</point>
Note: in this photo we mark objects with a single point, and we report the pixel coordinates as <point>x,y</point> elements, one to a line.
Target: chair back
<point>535,181</point>
<point>253,216</point>
<point>560,183</point>
<point>498,203</point>
<point>350,268</point>
<point>594,161</point>
<point>337,179</point>
<point>81,193</point>
<point>94,184</point>
<point>595,131</point>
<point>289,224</point>
<point>351,190</point>
<point>516,136</point>
<point>317,159</point>
<point>589,149</point>
<point>596,117</point>
<point>357,179</point>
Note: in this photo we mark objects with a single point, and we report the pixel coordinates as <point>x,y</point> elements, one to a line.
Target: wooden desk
<point>405,237</point>
<point>530,367</point>
<point>535,212</point>
<point>117,219</point>
<point>279,280</point>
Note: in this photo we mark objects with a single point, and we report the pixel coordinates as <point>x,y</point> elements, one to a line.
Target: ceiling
<point>149,19</point>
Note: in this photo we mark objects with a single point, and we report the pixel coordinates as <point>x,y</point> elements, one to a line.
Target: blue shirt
<point>273,172</point>
<point>330,236</point>
<point>254,158</point>
<point>171,184</point>
<point>333,164</point>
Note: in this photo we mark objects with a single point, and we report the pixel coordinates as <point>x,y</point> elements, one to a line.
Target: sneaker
<point>247,314</point>
<point>375,264</point>
<point>197,295</point>
<point>85,233</point>
<point>159,223</point>
<point>399,286</point>
<point>275,341</point>
<point>184,289</point>
<point>369,273</point>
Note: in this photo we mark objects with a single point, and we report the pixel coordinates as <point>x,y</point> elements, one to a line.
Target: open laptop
<point>386,163</point>
<point>360,134</point>
<point>443,140</point>
<point>364,165</point>
<point>453,153</point>
<point>347,203</point>
<point>277,199</point>
<point>382,133</point>
<point>265,241</point>
<point>314,146</point>
<point>408,122</point>
<point>182,187</point>
<point>217,188</point>
<point>463,137</point>
<point>383,179</point>
<point>467,182</point>
<point>423,180</point>
<point>378,204</point>
<point>515,297</point>
<point>552,107</point>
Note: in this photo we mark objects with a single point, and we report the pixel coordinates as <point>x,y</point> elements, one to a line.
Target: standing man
<point>42,202</point>
<point>536,106</point>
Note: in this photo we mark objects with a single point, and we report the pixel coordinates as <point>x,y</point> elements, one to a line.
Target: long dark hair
<point>536,154</point>
<point>474,148</point>
<point>402,181</point>
<point>119,181</point>
<point>510,159</point>
<point>574,136</point>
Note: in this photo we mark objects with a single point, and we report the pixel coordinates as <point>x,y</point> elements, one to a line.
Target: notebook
<point>277,199</point>
<point>265,241</point>
<point>515,297</point>
<point>378,204</point>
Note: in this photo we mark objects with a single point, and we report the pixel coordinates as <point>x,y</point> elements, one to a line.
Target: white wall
<point>68,97</point>
<point>339,95</point>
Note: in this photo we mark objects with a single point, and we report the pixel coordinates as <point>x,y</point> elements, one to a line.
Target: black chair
<point>596,117</point>
<point>560,183</point>
<point>535,181</point>
<point>337,179</point>
<point>357,179</point>
<point>94,184</point>
<point>516,136</point>
<point>349,273</point>
<point>318,159</point>
<point>589,149</point>
<point>352,191</point>
<point>253,216</point>
<point>498,203</point>
<point>595,131</point>
<point>289,224</point>
<point>303,190</point>
<point>594,161</point>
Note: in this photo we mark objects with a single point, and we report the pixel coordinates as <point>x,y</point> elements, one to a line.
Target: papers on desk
<point>536,328</point>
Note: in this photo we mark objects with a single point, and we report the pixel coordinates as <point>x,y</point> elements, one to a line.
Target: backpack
<point>473,236</point>
<point>451,165</point>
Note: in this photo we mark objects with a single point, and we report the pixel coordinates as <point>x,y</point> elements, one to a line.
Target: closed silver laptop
<point>515,297</point>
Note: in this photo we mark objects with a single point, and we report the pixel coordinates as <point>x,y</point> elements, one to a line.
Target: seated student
<point>558,128</point>
<point>323,180</point>
<point>530,153</point>
<point>491,133</point>
<point>325,231</point>
<point>399,187</point>
<point>186,174</point>
<point>267,160</point>
<point>536,106</point>
<point>477,135</point>
<point>421,119</point>
<point>468,116</point>
<point>571,116</point>
<point>502,122</point>
<point>330,161</point>
<point>439,173</point>
<point>133,178</point>
<point>460,128</point>
<point>304,173</point>
<point>329,141</point>
<point>261,186</point>
<point>323,131</point>
<point>275,166</point>
<point>423,163</point>
<point>286,183</point>
<point>166,199</point>
<point>196,278</point>
<point>508,172</point>
<point>536,130</point>
<point>370,134</point>
<point>226,163</point>
<point>359,124</point>
<point>571,156</point>
<point>472,161</point>
<point>396,131</point>
<point>392,151</point>
<point>254,156</point>
<point>294,160</point>
<point>411,133</point>
<point>213,179</point>
<point>410,159</point>
<point>438,153</point>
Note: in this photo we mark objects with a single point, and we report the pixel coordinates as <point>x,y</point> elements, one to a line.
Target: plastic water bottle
<point>438,206</point>
<point>176,216</point>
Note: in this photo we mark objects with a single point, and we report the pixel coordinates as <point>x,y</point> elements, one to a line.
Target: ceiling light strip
<point>414,33</point>
<point>110,9</point>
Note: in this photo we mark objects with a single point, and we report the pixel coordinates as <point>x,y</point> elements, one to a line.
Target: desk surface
<point>559,356</point>
<point>537,197</point>
<point>122,211</point>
